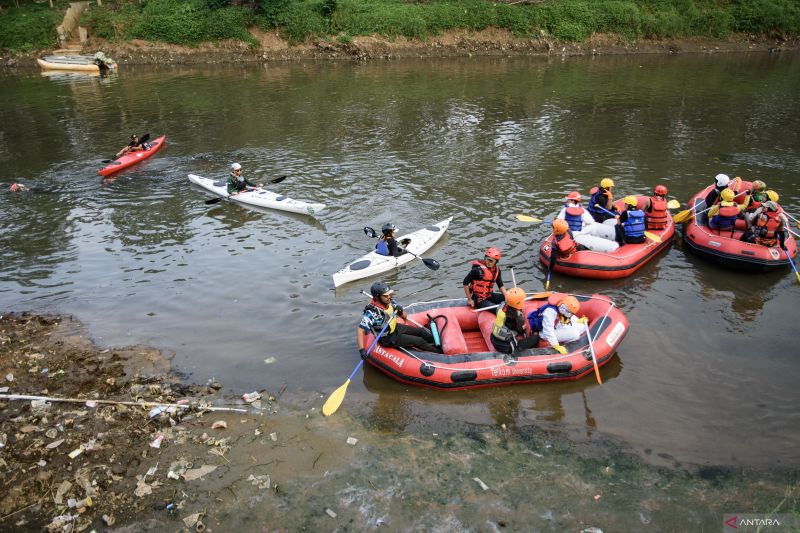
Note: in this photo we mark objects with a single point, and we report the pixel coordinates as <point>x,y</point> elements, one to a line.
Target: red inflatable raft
<point>727,249</point>
<point>620,263</point>
<point>468,363</point>
<point>134,157</point>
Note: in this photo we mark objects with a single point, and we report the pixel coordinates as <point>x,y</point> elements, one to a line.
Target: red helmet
<point>575,196</point>
<point>660,190</point>
<point>494,253</point>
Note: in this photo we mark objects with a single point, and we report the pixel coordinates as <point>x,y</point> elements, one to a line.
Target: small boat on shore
<point>374,263</point>
<point>258,197</point>
<point>76,63</point>
<point>620,263</point>
<point>131,158</point>
<point>469,360</point>
<point>726,248</point>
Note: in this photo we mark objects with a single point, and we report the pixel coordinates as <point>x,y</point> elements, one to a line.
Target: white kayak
<point>373,263</point>
<point>258,197</point>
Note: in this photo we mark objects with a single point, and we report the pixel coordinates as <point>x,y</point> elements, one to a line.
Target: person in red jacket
<point>655,209</point>
<point>479,283</point>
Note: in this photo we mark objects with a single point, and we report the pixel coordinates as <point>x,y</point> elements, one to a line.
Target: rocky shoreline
<point>490,42</point>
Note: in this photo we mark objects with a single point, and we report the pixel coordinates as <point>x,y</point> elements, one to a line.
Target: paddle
<point>686,214</point>
<point>143,139</point>
<point>527,218</point>
<point>793,266</point>
<point>673,204</point>
<point>433,264</point>
<point>594,357</point>
<point>218,199</point>
<point>793,218</point>
<point>335,399</point>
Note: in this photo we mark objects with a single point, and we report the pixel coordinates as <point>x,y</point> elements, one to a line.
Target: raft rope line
<point>555,358</point>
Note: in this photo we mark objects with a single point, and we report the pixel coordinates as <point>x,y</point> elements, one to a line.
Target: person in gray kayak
<point>387,244</point>
<point>238,183</point>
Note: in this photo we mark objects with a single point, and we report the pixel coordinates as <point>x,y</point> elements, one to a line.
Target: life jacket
<point>388,310</point>
<point>765,228</point>
<point>565,245</point>
<point>573,217</point>
<point>482,288</point>
<point>499,329</point>
<point>656,218</point>
<point>634,225</point>
<point>726,218</point>
<point>598,214</point>
<point>382,248</point>
<point>536,317</point>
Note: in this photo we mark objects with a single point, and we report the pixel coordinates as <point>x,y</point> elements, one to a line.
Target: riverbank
<point>489,42</point>
<point>282,466</point>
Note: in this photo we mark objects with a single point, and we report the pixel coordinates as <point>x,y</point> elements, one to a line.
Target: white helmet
<point>722,180</point>
<point>236,166</point>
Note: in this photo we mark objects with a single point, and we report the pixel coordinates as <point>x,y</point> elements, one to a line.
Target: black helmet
<point>379,288</point>
<point>388,227</point>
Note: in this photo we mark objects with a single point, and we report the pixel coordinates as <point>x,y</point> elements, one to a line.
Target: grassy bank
<point>190,22</point>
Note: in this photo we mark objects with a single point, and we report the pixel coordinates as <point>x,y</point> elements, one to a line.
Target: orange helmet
<point>515,297</point>
<point>493,253</point>
<point>569,306</point>
<point>660,190</point>
<point>560,226</point>
<point>575,196</point>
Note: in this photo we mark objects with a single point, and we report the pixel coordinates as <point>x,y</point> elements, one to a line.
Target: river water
<point>707,374</point>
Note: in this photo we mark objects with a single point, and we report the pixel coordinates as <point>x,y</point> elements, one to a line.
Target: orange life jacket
<point>767,224</point>
<point>565,245</point>
<point>726,217</point>
<point>656,218</point>
<point>482,288</point>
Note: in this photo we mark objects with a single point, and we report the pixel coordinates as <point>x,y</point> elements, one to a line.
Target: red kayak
<point>469,360</point>
<point>134,157</point>
<point>620,263</point>
<point>726,248</point>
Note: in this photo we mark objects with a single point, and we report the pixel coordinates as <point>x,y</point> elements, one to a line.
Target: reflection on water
<point>142,259</point>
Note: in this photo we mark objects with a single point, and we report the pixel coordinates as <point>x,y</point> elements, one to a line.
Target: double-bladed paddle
<point>218,199</point>
<point>433,264</point>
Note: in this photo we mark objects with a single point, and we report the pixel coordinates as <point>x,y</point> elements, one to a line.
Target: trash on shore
<point>250,397</point>
<point>482,485</point>
<point>352,441</point>
<point>330,513</point>
<point>197,473</point>
<point>219,424</point>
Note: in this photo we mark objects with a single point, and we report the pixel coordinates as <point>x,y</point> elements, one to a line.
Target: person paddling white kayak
<point>238,183</point>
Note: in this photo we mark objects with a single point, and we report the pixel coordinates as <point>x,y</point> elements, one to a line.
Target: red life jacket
<point>726,218</point>
<point>766,226</point>
<point>565,245</point>
<point>656,218</point>
<point>482,288</point>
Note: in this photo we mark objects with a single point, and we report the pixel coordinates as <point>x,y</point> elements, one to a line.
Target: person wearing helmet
<point>510,332</point>
<point>237,182</point>
<point>721,182</point>
<point>602,202</point>
<point>557,322</point>
<point>18,187</point>
<point>479,282</point>
<point>382,308</point>
<point>630,229</point>
<point>767,226</point>
<point>655,209</point>
<point>387,244</point>
<point>595,236</point>
<point>133,146</point>
<point>564,242</point>
<point>723,215</point>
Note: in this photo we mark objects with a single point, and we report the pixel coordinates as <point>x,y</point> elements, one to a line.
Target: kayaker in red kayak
<point>133,146</point>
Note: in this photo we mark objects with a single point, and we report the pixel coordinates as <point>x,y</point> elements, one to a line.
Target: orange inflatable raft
<point>620,263</point>
<point>726,248</point>
<point>469,360</point>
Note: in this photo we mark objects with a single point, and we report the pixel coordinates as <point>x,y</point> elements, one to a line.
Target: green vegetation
<point>28,28</point>
<point>189,22</point>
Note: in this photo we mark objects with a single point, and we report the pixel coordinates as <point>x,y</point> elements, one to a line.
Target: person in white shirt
<point>593,235</point>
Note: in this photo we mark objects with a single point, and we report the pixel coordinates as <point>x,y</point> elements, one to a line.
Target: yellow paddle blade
<point>335,400</point>
<point>673,204</point>
<point>652,236</point>
<point>526,218</point>
<point>682,216</point>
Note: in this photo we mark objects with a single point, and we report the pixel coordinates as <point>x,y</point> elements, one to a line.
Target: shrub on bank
<point>32,27</point>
